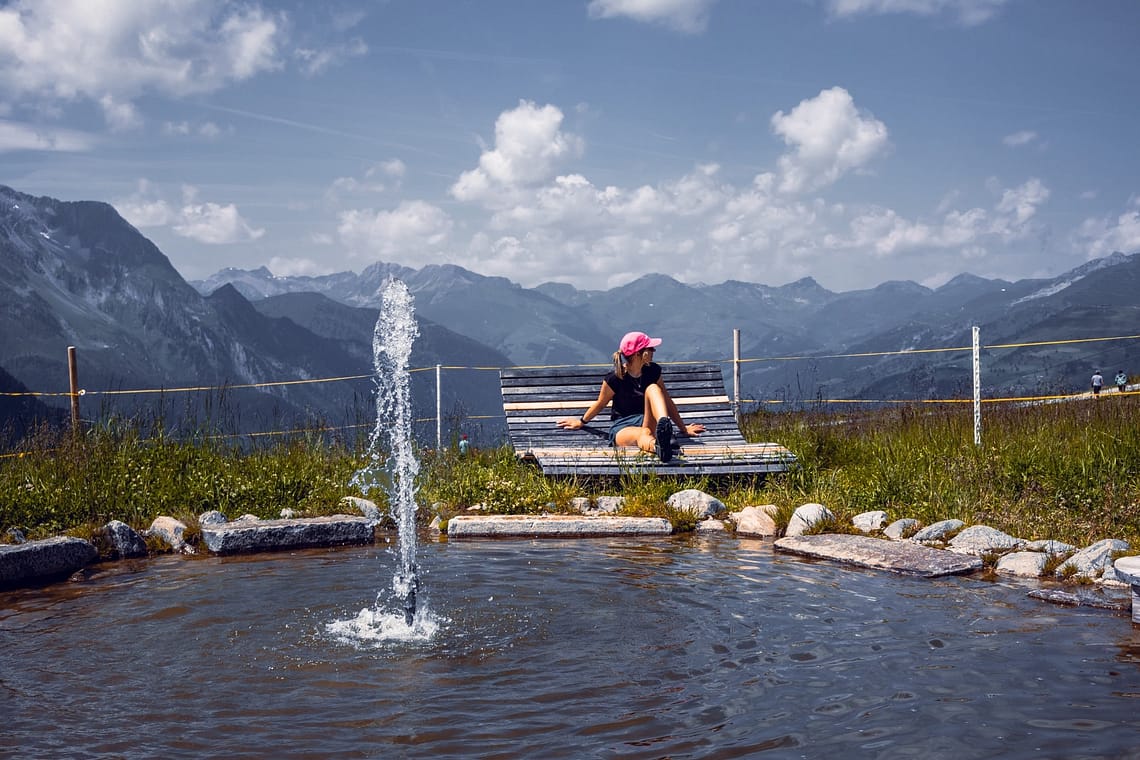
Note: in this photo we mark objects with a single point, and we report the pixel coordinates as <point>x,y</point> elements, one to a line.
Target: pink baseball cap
<point>637,341</point>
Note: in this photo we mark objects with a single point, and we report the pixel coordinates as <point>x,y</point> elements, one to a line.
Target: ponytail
<point>619,365</point>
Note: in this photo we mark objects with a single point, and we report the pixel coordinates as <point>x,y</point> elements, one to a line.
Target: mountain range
<point>77,274</point>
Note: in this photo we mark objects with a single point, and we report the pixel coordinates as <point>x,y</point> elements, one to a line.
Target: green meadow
<point>1067,471</point>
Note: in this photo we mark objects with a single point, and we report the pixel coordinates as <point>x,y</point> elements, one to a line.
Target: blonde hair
<point>619,364</point>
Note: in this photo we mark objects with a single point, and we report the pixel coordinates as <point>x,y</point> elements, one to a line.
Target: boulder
<point>696,503</point>
<point>755,521</point>
<point>980,540</point>
<point>213,517</point>
<point>939,532</point>
<point>1050,547</point>
<point>580,504</point>
<point>609,504</point>
<point>366,507</point>
<point>554,526</point>
<point>34,562</point>
<point>1093,561</point>
<point>870,522</point>
<point>902,528</point>
<point>170,531</point>
<point>123,540</point>
<point>1022,564</point>
<point>805,517</point>
<point>711,525</point>
<point>241,537</point>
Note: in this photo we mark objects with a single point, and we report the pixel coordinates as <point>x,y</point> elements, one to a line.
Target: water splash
<point>392,341</point>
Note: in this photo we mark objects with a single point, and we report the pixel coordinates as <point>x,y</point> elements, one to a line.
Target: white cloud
<point>20,136</point>
<point>207,129</point>
<point>413,229</point>
<point>529,142</point>
<point>294,267</point>
<point>829,137</point>
<point>1019,204</point>
<point>689,16</point>
<point>210,223</point>
<point>1017,139</point>
<point>314,61</point>
<point>967,12</point>
<point>120,116</point>
<point>1100,236</point>
<point>110,53</point>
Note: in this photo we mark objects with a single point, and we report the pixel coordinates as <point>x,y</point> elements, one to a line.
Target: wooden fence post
<point>73,377</point>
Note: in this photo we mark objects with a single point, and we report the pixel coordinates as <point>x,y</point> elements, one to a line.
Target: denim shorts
<point>632,420</point>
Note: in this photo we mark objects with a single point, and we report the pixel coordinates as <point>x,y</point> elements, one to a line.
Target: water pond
<point>684,647</point>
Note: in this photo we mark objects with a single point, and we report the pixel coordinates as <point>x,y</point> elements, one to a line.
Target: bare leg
<point>656,407</point>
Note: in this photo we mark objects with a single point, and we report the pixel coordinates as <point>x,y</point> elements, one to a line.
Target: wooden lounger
<point>534,399</point>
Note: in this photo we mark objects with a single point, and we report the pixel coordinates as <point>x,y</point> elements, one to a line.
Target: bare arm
<point>605,395</point>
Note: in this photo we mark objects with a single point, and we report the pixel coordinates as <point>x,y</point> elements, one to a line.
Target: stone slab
<point>881,554</point>
<point>51,559</point>
<point>242,536</point>
<point>555,526</point>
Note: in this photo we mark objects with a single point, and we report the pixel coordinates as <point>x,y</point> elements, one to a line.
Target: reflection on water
<point>688,647</point>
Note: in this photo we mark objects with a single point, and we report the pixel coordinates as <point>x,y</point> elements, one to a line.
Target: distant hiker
<point>643,413</point>
<point>464,445</point>
<point>1097,382</point>
<point>1121,381</point>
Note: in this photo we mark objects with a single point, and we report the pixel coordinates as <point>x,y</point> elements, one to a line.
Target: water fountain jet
<point>392,340</point>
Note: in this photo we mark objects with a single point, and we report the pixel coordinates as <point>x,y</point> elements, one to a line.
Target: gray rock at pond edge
<point>609,504</point>
<point>240,537</point>
<point>711,525</point>
<point>1050,547</point>
<point>554,526</point>
<point>213,517</point>
<point>980,540</point>
<point>902,528</point>
<point>1022,564</point>
<point>880,554</point>
<point>1093,561</point>
<point>124,540</point>
<point>580,504</point>
<point>939,531</point>
<point>170,531</point>
<point>17,536</point>
<point>696,503</point>
<point>755,521</point>
<point>367,507</point>
<point>36,562</point>
<point>870,522</point>
<point>805,517</point>
<point>1127,570</point>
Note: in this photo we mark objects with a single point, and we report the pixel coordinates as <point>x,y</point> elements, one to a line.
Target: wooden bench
<point>534,399</point>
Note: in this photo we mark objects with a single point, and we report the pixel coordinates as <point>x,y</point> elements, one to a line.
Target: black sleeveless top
<point>629,391</point>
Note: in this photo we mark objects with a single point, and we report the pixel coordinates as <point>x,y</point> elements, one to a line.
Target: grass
<point>1068,472</point>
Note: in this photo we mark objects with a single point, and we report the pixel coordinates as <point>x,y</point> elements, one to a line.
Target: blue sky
<point>590,141</point>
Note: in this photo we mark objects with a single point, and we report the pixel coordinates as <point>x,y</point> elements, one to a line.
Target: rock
<point>554,526</point>
<point>980,540</point>
<point>610,504</point>
<point>755,521</point>
<point>288,514</point>
<point>870,522</point>
<point>124,541</point>
<point>1050,547</point>
<point>17,536</point>
<point>1080,598</point>
<point>436,524</point>
<point>247,518</point>
<point>239,536</point>
<point>170,531</point>
<point>1022,564</point>
<point>696,503</point>
<point>939,531</point>
<point>213,517</point>
<point>805,517</point>
<point>902,528</point>
<point>1127,569</point>
<point>580,504</point>
<point>896,556</point>
<point>51,559</point>
<point>366,507</point>
<point>711,525</point>
<point>1093,561</point>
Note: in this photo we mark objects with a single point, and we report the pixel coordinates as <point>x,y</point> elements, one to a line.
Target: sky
<point>589,142</point>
